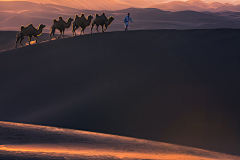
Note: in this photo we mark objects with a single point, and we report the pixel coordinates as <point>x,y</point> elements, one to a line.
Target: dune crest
<point>196,5</point>
<point>28,141</point>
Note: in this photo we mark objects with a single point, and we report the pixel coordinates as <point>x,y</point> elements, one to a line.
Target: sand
<point>174,86</point>
<point>24,141</point>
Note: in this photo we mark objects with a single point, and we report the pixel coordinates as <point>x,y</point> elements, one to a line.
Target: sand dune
<point>24,141</point>
<point>79,4</point>
<point>175,86</point>
<point>196,5</point>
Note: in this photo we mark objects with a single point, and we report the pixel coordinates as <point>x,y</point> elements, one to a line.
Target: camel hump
<point>97,15</point>
<point>22,27</point>
<point>60,18</point>
<point>82,15</point>
<point>103,13</point>
<point>54,20</point>
<point>30,25</point>
<point>76,16</point>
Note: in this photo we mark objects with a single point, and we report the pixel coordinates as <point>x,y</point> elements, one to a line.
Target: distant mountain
<point>137,3</point>
<point>196,5</point>
<point>84,4</point>
<point>141,3</point>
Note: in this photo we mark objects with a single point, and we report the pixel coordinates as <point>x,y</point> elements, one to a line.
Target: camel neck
<point>109,22</point>
<point>39,31</point>
<point>68,24</point>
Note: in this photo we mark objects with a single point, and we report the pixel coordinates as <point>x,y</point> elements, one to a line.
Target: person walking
<point>126,21</point>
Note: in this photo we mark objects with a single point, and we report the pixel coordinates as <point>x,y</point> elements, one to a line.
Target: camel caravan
<point>79,22</point>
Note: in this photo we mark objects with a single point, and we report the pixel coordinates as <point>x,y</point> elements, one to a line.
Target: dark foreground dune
<point>172,86</point>
<point>23,141</point>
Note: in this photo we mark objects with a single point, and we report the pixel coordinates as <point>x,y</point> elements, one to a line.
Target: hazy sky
<point>155,1</point>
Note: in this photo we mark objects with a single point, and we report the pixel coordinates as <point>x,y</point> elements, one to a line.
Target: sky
<point>153,1</point>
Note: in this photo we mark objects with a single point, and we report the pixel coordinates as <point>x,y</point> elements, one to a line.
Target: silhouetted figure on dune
<point>102,21</point>
<point>126,21</point>
<point>81,22</point>
<point>60,25</point>
<point>29,31</point>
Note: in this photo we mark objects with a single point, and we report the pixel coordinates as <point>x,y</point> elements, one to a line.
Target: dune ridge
<point>197,5</point>
<point>33,141</point>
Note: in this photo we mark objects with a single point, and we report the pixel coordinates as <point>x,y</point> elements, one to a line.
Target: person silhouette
<point>126,21</point>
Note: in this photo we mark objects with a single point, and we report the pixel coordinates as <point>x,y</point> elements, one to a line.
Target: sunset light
<point>120,79</point>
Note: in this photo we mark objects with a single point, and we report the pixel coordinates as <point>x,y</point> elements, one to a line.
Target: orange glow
<point>94,145</point>
<point>58,150</point>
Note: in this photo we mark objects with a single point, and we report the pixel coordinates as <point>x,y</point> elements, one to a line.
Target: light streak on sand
<point>18,139</point>
<point>58,150</point>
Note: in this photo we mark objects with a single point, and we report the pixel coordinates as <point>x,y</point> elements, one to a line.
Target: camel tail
<point>73,26</point>
<point>52,31</point>
<point>18,34</point>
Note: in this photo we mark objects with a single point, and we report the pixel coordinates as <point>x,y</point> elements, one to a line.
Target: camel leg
<point>52,33</point>
<point>63,33</point>
<point>74,30</point>
<point>21,40</point>
<point>102,28</point>
<point>30,38</point>
<point>60,34</point>
<point>105,29</point>
<point>83,31</point>
<point>17,41</point>
<point>36,38</point>
<point>97,28</point>
<point>92,27</point>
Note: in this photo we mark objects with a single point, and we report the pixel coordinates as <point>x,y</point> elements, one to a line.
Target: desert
<point>168,88</point>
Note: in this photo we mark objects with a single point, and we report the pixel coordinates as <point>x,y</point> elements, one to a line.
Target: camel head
<point>111,18</point>
<point>70,19</point>
<point>41,26</point>
<point>90,17</point>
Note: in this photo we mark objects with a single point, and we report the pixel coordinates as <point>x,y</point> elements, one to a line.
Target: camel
<point>29,31</point>
<point>81,22</point>
<point>102,21</point>
<point>61,25</point>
